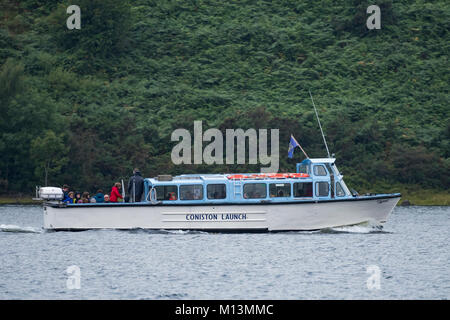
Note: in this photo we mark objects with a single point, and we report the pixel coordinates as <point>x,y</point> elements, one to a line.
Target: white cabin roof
<point>322,160</point>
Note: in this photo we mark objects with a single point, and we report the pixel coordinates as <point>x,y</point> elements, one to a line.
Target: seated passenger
<point>172,196</point>
<point>99,197</point>
<point>77,198</point>
<point>85,198</point>
<point>197,194</point>
<point>106,198</point>
<point>70,198</point>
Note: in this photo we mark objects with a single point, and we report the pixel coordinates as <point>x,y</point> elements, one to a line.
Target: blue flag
<point>292,144</point>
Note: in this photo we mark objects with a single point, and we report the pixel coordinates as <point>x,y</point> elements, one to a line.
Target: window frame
<point>254,183</point>
<point>191,185</point>
<point>318,189</point>
<point>276,194</point>
<point>307,166</point>
<point>216,184</point>
<point>164,191</point>
<point>303,183</point>
<point>342,188</point>
<point>320,166</point>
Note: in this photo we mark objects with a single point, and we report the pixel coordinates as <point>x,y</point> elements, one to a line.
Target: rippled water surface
<point>411,252</point>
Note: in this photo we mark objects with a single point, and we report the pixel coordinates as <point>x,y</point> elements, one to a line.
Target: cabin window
<point>339,190</point>
<point>216,191</point>
<point>322,189</point>
<point>191,192</point>
<point>303,168</point>
<point>166,193</point>
<point>303,189</point>
<point>255,190</point>
<point>320,171</point>
<point>279,190</point>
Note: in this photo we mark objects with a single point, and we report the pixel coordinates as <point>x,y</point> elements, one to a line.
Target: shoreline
<point>424,199</point>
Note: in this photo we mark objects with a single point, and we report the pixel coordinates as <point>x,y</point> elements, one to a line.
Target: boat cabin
<point>315,179</point>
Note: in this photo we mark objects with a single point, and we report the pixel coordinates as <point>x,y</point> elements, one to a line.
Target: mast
<point>320,126</point>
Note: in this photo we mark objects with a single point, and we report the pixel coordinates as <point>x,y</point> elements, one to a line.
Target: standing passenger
<point>136,186</point>
<point>115,194</point>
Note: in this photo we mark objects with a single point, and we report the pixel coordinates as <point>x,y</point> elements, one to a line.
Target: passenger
<point>172,196</point>
<point>136,186</point>
<point>99,197</point>
<point>85,197</point>
<point>70,198</point>
<point>92,200</point>
<point>197,194</point>
<point>78,197</point>
<point>106,198</point>
<point>66,191</point>
<point>115,194</point>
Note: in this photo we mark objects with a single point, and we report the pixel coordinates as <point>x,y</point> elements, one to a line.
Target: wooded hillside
<point>86,106</point>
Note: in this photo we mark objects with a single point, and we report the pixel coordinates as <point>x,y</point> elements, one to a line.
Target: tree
<point>49,153</point>
<point>10,81</point>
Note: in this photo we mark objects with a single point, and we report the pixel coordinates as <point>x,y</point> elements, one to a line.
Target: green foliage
<point>114,91</point>
<point>49,154</point>
<point>103,34</point>
<point>10,81</point>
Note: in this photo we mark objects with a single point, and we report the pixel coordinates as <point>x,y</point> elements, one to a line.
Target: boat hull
<point>307,215</point>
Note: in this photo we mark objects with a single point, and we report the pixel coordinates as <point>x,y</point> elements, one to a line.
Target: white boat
<point>315,197</point>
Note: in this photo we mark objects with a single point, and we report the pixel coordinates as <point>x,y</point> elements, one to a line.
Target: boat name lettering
<point>215,216</point>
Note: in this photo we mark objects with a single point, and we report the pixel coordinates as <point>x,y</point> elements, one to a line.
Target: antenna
<point>317,115</point>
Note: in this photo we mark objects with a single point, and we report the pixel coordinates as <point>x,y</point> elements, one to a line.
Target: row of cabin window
<point>251,191</point>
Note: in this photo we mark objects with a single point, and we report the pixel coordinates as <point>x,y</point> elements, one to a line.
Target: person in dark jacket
<point>136,186</point>
<point>65,189</point>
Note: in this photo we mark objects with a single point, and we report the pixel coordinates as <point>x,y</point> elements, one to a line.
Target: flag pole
<point>300,146</point>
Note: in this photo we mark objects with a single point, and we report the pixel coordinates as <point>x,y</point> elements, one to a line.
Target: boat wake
<point>164,231</point>
<point>18,229</point>
<point>364,228</point>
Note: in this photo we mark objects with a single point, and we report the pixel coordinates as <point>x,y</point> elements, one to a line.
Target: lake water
<point>410,254</point>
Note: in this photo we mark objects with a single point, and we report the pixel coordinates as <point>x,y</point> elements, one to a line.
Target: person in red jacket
<point>115,194</point>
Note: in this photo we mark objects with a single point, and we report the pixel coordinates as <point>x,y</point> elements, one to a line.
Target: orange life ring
<point>278,175</point>
<point>257,176</point>
<point>237,176</point>
<point>299,175</point>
